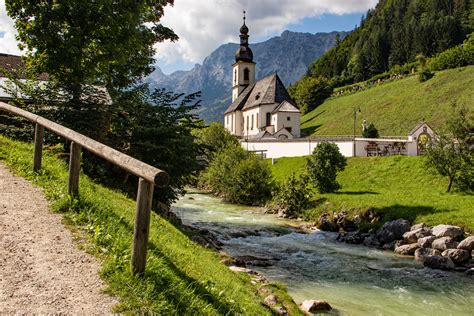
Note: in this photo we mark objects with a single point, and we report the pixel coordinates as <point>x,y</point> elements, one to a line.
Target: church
<point>260,109</point>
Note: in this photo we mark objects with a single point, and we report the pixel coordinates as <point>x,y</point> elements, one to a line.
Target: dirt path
<point>41,269</point>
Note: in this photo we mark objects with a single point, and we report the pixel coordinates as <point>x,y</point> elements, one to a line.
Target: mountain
<point>395,33</point>
<point>289,55</point>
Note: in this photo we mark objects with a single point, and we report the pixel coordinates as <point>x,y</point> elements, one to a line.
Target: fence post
<point>142,225</point>
<point>74,169</point>
<point>38,152</point>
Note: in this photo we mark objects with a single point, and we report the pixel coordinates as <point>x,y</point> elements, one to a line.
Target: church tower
<point>243,70</point>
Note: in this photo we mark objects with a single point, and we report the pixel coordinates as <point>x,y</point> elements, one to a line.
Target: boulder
<point>425,242</point>
<point>467,244</point>
<point>270,300</point>
<point>313,306</point>
<point>355,238</point>
<point>393,230</point>
<point>407,250</point>
<point>418,226</point>
<point>438,262</point>
<point>458,256</point>
<point>390,246</point>
<point>444,243</point>
<point>371,241</point>
<point>421,253</point>
<point>470,271</point>
<point>447,231</point>
<point>413,235</point>
<point>325,224</point>
<point>343,221</point>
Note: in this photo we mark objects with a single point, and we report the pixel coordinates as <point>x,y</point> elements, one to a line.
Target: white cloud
<point>8,43</point>
<point>204,25</point>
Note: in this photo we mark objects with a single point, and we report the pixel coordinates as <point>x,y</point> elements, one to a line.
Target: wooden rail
<point>149,175</point>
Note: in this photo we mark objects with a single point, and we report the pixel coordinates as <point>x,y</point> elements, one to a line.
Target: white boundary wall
<point>304,147</point>
<point>293,148</point>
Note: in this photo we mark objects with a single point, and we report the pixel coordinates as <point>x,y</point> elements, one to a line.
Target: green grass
<point>398,187</point>
<point>395,107</point>
<point>182,278</point>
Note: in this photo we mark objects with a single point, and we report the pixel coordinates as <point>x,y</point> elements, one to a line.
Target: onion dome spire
<point>244,53</point>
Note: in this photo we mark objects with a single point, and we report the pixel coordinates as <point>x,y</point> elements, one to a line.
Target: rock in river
<point>313,306</point>
<point>422,253</point>
<point>426,242</point>
<point>444,243</point>
<point>393,230</point>
<point>459,256</point>
<point>406,250</point>
<point>438,262</point>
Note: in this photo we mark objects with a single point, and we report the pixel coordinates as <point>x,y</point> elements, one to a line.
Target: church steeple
<point>244,53</point>
<point>243,72</point>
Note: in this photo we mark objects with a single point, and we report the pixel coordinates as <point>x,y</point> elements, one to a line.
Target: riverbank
<point>393,187</point>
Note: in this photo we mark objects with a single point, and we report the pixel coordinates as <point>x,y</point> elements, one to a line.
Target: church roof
<point>239,103</point>
<point>14,65</point>
<point>286,106</point>
<point>269,90</point>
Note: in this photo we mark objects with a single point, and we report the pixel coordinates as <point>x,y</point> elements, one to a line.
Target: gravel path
<point>41,269</point>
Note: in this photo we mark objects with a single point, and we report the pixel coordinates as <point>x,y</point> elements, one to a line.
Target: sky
<point>202,26</point>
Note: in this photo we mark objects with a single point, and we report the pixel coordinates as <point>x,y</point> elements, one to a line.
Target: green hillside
<point>394,107</point>
<point>397,187</point>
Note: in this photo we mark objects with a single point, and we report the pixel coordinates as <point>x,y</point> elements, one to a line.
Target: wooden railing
<point>149,176</point>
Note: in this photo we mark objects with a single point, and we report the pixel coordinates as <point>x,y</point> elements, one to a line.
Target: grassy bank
<point>398,187</point>
<point>182,278</point>
<point>395,107</point>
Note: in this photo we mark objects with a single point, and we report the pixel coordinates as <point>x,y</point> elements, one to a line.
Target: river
<point>355,280</point>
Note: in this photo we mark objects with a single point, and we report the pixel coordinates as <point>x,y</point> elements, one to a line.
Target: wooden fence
<point>149,175</point>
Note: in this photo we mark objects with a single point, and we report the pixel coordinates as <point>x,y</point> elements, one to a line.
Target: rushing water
<point>355,280</point>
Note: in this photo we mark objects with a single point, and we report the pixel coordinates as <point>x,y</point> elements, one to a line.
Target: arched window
<point>246,75</point>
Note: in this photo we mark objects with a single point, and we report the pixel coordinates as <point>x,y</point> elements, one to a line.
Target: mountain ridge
<point>289,55</point>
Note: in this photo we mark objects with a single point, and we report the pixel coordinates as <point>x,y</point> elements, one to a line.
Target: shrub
<point>370,132</point>
<point>425,75</point>
<point>294,195</point>
<point>310,92</point>
<point>458,56</point>
<point>323,166</point>
<point>238,176</point>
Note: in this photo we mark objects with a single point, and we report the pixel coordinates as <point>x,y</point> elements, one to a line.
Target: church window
<point>252,123</point>
<point>246,74</point>
<point>256,122</point>
<point>235,77</point>
<point>288,118</point>
<point>268,123</point>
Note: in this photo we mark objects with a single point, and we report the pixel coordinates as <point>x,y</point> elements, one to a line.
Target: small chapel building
<point>260,109</point>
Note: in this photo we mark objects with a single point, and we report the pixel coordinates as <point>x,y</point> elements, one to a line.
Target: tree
<point>309,92</point>
<point>370,132</point>
<point>213,138</point>
<point>451,153</point>
<point>85,44</point>
<point>323,166</point>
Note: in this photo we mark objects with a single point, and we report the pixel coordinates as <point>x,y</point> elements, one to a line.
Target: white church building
<point>260,109</point>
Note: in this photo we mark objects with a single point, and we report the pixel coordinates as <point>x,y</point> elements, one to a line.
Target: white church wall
<point>251,120</point>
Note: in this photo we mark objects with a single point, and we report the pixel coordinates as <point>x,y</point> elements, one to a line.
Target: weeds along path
<point>41,269</point>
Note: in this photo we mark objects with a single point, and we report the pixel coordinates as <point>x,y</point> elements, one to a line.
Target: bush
<point>425,75</point>
<point>238,176</point>
<point>294,195</point>
<point>370,132</point>
<point>323,166</point>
